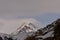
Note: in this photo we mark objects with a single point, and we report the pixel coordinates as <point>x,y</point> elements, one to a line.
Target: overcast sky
<point>45,11</point>
<point>15,8</point>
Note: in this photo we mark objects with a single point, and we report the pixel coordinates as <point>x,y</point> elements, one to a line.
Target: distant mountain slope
<point>26,27</point>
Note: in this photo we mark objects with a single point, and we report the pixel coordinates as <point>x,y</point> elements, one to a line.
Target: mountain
<point>50,32</point>
<point>26,27</point>
<point>10,25</point>
<point>39,32</point>
<point>45,33</point>
<point>32,30</point>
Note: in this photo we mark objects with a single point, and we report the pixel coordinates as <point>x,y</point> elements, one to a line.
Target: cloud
<point>9,26</point>
<point>14,8</point>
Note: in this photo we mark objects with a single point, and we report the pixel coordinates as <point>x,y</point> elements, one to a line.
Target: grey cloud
<point>13,8</point>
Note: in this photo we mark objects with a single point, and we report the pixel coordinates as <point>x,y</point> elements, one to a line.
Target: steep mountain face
<point>27,28</point>
<point>50,32</point>
<point>57,30</point>
<point>28,25</point>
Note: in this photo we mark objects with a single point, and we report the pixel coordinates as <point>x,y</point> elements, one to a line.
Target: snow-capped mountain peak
<point>28,25</point>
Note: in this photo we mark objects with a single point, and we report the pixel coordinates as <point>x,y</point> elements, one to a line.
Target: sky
<point>17,9</point>
<point>44,11</point>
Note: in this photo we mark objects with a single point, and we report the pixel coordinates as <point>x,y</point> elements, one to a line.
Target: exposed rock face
<point>43,33</point>
<point>1,38</point>
<point>57,30</point>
